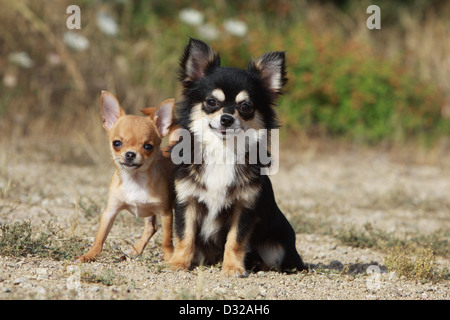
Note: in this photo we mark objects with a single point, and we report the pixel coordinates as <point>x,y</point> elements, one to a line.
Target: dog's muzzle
<point>226,120</point>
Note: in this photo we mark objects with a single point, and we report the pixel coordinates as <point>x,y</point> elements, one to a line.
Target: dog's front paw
<point>179,264</point>
<point>132,253</point>
<point>234,271</point>
<point>84,258</point>
<point>168,253</point>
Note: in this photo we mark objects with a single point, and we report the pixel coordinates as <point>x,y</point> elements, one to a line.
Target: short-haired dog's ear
<point>197,60</point>
<point>272,70</point>
<point>163,116</point>
<point>110,109</point>
<point>149,111</point>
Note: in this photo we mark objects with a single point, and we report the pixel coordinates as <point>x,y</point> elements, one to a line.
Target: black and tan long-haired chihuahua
<point>225,208</point>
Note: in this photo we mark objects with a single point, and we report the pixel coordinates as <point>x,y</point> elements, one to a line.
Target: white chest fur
<point>135,193</point>
<point>219,173</point>
<point>217,178</point>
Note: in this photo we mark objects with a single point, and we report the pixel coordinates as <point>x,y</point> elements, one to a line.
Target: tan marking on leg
<point>167,235</point>
<point>234,255</point>
<point>150,227</point>
<point>106,223</point>
<point>185,248</point>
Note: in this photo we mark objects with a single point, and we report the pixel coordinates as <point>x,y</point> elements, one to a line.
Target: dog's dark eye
<point>148,147</point>
<point>117,144</point>
<point>212,104</point>
<point>246,107</point>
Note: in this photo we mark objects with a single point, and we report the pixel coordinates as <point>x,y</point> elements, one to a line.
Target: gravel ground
<point>351,187</point>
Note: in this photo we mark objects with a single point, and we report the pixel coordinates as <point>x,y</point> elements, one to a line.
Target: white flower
<point>208,31</point>
<point>53,59</point>
<point>10,80</point>
<point>107,24</point>
<point>22,59</point>
<point>235,27</point>
<point>76,41</point>
<point>191,16</point>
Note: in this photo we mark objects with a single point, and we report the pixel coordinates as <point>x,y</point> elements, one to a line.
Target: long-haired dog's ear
<point>197,60</point>
<point>272,70</point>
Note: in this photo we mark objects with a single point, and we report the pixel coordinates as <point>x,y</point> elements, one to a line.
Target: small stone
<point>6,290</point>
<point>20,280</point>
<point>262,292</point>
<point>220,291</point>
<point>42,273</point>
<point>41,290</point>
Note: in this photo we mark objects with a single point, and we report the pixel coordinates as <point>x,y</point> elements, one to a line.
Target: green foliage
<point>341,88</point>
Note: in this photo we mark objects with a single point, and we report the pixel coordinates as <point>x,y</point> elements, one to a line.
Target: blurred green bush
<point>341,88</point>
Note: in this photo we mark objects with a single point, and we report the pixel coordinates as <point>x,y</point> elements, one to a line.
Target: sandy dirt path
<point>330,191</point>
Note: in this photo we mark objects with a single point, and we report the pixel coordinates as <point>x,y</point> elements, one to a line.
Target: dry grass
<point>418,264</point>
<point>19,239</point>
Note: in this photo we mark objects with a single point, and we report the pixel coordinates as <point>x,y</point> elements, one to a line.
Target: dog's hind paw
<point>233,271</point>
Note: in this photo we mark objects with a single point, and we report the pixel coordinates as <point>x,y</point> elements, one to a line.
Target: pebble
<point>6,290</point>
<point>41,290</point>
<point>42,273</point>
<point>20,280</point>
<point>262,292</point>
<point>220,291</point>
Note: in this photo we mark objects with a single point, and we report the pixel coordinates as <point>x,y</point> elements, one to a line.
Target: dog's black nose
<point>226,120</point>
<point>130,155</point>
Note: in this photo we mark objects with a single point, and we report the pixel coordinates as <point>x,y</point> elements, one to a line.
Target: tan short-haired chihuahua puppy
<point>143,180</point>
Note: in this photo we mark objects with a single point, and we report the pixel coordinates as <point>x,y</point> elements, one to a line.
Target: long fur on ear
<point>198,58</point>
<point>272,70</point>
<point>110,109</point>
